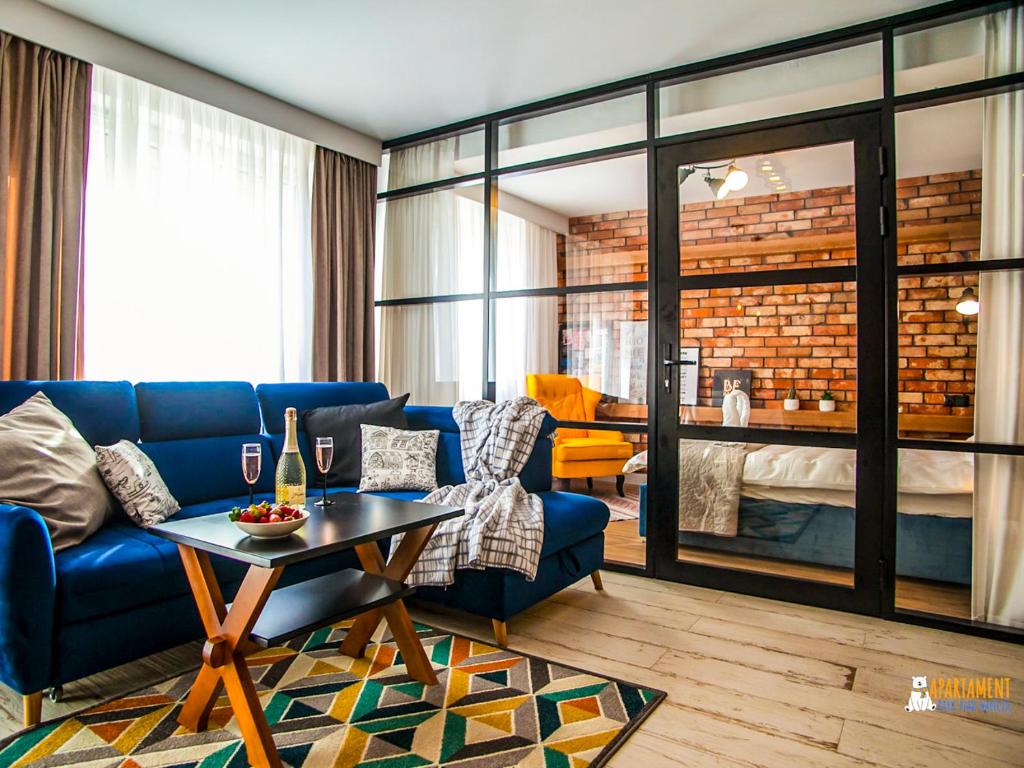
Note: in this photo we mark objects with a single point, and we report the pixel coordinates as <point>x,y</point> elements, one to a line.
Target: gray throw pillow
<point>398,460</point>
<point>45,464</point>
<point>342,422</point>
<point>133,478</point>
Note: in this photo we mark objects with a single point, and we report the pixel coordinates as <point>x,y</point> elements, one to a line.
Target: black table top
<point>354,519</point>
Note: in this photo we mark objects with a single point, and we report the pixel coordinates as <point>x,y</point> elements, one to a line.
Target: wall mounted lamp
<point>734,180</point>
<point>968,303</point>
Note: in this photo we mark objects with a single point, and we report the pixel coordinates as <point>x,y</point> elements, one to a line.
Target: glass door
<point>769,429</point>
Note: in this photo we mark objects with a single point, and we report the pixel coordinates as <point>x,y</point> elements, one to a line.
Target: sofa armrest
<point>28,585</point>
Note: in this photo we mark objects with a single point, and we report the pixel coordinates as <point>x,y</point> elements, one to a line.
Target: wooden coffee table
<point>260,617</point>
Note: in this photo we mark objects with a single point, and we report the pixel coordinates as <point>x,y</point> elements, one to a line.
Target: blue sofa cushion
<point>570,518</point>
<point>178,410</point>
<point>118,568</point>
<point>103,411</point>
<point>343,424</point>
<point>275,398</point>
<point>501,594</point>
<point>535,477</point>
<point>208,468</point>
<point>449,460</point>
<point>122,567</point>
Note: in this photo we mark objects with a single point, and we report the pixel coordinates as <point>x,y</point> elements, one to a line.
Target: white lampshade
<point>736,178</point>
<point>718,187</point>
<point>968,303</point>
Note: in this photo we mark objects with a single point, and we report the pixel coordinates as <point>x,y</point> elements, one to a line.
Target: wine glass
<point>252,461</point>
<point>324,457</point>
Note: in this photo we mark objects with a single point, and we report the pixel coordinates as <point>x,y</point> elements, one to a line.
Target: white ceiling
<point>392,68</point>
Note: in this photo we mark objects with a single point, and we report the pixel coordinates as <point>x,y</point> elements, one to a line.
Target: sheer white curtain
<point>526,329</point>
<point>197,241</point>
<point>433,246</point>
<point>998,579</point>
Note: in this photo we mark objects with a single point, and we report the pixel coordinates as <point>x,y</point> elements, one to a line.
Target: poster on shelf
<point>633,361</point>
<point>728,379</point>
<point>688,375</point>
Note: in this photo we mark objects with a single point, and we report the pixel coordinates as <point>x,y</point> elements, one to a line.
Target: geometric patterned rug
<point>492,708</point>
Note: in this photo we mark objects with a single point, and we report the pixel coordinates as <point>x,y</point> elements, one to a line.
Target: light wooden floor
<point>624,545</point>
<point>750,682</point>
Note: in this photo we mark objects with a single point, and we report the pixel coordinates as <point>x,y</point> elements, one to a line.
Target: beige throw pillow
<point>133,478</point>
<point>398,459</point>
<point>47,465</point>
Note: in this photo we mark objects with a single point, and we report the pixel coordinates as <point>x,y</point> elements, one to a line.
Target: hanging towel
<point>736,409</point>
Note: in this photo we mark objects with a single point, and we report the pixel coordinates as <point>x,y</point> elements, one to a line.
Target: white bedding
<point>939,483</point>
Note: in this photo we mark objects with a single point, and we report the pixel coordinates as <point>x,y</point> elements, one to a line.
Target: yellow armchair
<point>585,453</point>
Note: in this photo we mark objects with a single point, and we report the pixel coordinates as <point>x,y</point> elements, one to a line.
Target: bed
<point>797,503</point>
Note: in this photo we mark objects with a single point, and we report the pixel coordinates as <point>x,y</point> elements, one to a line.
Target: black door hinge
<point>881,162</point>
<point>882,215</point>
<point>882,570</point>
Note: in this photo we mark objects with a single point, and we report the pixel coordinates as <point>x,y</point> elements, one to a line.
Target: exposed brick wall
<point>938,346</point>
<point>796,335</point>
<point>802,336</point>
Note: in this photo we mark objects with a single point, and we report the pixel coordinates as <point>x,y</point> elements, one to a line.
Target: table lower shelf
<point>309,605</point>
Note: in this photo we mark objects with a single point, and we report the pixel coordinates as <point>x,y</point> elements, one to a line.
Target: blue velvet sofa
<point>122,594</point>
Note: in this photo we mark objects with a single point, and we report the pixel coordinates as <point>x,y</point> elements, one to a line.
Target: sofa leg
<point>595,576</point>
<point>32,709</point>
<point>500,633</point>
<point>590,483</point>
<point>620,485</point>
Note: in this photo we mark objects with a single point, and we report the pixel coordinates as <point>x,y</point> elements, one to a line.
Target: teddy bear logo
<point>920,699</point>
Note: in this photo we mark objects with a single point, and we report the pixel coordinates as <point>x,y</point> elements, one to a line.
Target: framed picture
<point>689,375</point>
<point>728,379</point>
<point>632,354</point>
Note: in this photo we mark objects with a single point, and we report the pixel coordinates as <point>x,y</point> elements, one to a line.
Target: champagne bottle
<point>290,479</point>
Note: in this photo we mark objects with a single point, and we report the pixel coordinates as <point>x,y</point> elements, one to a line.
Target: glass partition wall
<point>845,317</point>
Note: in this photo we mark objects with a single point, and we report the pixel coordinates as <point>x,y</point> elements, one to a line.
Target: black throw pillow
<point>342,422</point>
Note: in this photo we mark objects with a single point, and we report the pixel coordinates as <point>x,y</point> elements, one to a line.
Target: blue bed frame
<point>927,546</point>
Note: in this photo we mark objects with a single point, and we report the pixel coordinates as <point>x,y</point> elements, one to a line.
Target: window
<point>457,155</point>
<point>603,123</point>
<point>817,81</point>
<point>549,292</point>
<point>948,54</point>
<point>197,241</point>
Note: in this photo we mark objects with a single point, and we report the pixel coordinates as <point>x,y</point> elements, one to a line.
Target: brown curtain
<point>44,130</point>
<point>344,205</point>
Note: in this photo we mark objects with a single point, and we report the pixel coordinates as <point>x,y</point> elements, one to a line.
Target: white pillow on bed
<point>791,466</point>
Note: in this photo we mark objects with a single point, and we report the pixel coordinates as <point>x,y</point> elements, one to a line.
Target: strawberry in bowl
<point>268,521</point>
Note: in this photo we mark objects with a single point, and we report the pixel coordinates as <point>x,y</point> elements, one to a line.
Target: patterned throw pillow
<point>133,478</point>
<point>398,459</point>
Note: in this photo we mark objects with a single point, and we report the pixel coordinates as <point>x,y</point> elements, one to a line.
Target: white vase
<point>791,405</point>
<point>826,405</point>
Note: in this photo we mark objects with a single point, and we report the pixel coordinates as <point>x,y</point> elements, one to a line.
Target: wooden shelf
<point>809,419</point>
<point>772,246</point>
<point>308,605</point>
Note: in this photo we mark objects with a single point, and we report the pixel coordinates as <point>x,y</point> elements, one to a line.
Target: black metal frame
<point>863,132</point>
<point>880,428</point>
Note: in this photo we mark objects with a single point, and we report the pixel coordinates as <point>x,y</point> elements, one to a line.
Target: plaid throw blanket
<point>503,526</point>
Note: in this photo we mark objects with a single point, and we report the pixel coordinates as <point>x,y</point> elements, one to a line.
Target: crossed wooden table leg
<point>228,643</point>
<point>224,654</point>
<point>416,662</point>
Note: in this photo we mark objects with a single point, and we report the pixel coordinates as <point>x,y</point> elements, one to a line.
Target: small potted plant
<point>792,402</point>
<point>827,402</point>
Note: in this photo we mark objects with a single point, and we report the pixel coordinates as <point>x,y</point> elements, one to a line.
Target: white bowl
<point>273,530</point>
